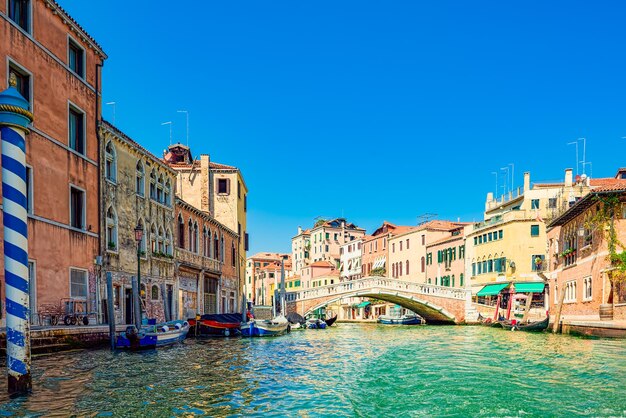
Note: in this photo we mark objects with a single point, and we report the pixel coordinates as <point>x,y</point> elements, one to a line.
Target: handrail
<point>380,283</point>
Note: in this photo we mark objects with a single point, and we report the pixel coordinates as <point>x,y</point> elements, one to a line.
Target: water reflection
<point>361,370</point>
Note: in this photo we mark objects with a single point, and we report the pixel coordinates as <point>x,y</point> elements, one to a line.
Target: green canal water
<point>348,370</point>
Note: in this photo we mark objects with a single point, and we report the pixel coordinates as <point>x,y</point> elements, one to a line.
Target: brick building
<point>58,69</point>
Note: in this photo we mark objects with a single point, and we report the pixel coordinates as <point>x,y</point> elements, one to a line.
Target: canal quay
<point>345,370</point>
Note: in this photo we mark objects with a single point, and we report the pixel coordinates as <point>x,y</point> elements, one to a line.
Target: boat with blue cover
<point>152,336</point>
<point>398,317</point>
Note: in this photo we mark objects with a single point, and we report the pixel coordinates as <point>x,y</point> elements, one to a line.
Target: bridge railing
<point>381,283</point>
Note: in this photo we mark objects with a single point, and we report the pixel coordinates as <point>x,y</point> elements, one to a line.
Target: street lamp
<point>138,238</point>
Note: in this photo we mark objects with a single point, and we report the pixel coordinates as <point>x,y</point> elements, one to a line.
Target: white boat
<point>265,327</point>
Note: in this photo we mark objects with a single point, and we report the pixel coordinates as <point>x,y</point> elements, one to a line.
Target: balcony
<point>513,215</point>
<point>197,260</point>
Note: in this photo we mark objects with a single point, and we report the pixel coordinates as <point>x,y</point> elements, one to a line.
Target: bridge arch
<point>431,312</point>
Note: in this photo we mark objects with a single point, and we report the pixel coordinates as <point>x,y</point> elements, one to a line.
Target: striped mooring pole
<point>15,116</point>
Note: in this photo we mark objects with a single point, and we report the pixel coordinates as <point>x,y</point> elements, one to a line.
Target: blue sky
<point>372,110</point>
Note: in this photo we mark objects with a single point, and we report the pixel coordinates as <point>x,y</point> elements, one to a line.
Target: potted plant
<point>112,246</point>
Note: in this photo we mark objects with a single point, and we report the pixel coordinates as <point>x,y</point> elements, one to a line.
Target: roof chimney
<point>526,181</point>
<point>299,230</point>
<point>568,177</point>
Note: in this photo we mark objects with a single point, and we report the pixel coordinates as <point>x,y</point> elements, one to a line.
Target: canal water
<point>349,370</point>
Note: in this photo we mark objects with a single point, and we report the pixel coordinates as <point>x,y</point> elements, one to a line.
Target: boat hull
<point>400,321</point>
<point>153,336</point>
<point>264,328</point>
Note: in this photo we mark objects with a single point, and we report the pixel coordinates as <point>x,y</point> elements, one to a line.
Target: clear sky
<point>367,109</point>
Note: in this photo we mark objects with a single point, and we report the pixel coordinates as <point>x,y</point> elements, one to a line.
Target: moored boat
<point>217,325</point>
<point>331,321</point>
<point>316,323</point>
<point>265,327</point>
<point>152,336</point>
<point>406,319</point>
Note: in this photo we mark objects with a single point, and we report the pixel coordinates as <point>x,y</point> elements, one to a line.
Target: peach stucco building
<point>58,68</point>
<point>375,249</point>
<point>578,264</point>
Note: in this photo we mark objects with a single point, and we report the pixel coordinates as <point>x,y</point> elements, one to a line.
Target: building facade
<point>446,260</point>
<point>253,264</point>
<point>206,264</point>
<point>327,236</point>
<point>580,269</point>
<point>58,69</point>
<point>510,244</point>
<point>409,258</point>
<point>217,189</point>
<point>375,252</point>
<point>350,260</point>
<point>301,249</point>
<point>137,191</point>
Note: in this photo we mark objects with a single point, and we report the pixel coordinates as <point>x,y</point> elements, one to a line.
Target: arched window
<point>423,264</point>
<point>205,242</point>
<point>110,165</point>
<point>181,231</point>
<point>196,239</point>
<point>161,240</point>
<point>190,226</point>
<point>142,244</point>
<point>168,243</point>
<point>168,193</point>
<point>407,267</point>
<point>159,189</point>
<point>153,239</point>
<point>140,179</point>
<point>111,220</point>
<point>155,292</point>
<point>153,181</point>
<point>216,246</point>
<point>222,249</point>
<point>233,254</point>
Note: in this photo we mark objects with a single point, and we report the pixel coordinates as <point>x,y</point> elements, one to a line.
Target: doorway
<point>128,306</point>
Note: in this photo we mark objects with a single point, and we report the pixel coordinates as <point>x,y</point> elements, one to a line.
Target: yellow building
<point>510,244</point>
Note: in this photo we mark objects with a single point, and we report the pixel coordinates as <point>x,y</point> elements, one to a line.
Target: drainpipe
<point>97,120</point>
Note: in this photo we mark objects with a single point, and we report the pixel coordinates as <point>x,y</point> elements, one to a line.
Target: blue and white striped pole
<point>15,117</point>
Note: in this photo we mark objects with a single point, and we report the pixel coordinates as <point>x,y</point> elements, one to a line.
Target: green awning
<point>536,287</point>
<point>491,289</point>
<point>363,304</point>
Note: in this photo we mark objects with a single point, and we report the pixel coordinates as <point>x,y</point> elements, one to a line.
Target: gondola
<point>331,321</point>
<point>536,326</point>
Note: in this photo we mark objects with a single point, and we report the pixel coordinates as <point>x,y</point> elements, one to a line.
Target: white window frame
<point>571,291</point>
<point>587,288</point>
<point>28,31</point>
<point>70,39</point>
<point>84,215</point>
<point>11,62</point>
<point>77,108</point>
<point>86,282</point>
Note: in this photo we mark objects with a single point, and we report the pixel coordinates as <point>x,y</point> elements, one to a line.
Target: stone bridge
<point>436,304</point>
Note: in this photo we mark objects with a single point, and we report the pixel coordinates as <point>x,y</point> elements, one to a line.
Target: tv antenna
<point>425,217</point>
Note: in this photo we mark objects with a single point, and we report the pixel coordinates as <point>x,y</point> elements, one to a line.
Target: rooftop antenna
<point>512,176</point>
<point>577,163</point>
<point>590,168</point>
<point>506,183</point>
<point>112,104</point>
<point>425,217</point>
<point>187,118</point>
<point>169,123</point>
<point>496,173</point>
<point>584,152</point>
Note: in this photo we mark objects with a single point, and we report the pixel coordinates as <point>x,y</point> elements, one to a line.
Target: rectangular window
<point>245,203</point>
<point>77,208</point>
<point>475,240</point>
<point>400,245</point>
<point>407,243</point>
<point>19,12</point>
<point>223,186</point>
<point>23,79</point>
<point>76,58</point>
<point>538,262</point>
<point>461,251</point>
<point>552,203</point>
<point>490,236</point>
<point>77,130</point>
<point>534,230</point>
<point>78,284</point>
<point>239,190</point>
<point>423,239</point>
<point>587,290</point>
<point>534,204</point>
<point>500,234</point>
<point>480,239</point>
